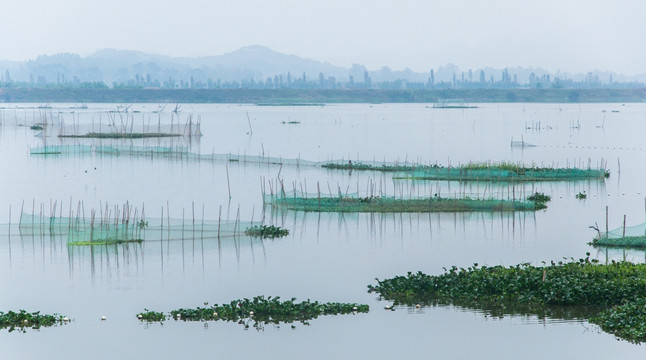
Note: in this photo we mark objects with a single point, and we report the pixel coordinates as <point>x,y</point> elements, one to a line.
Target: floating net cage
<point>352,202</point>
<point>497,173</point>
<point>164,152</point>
<point>87,231</point>
<point>632,236</point>
<point>501,172</point>
<point>383,166</point>
<point>470,172</point>
<point>61,150</point>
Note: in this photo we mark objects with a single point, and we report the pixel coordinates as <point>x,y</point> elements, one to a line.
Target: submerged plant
<point>266,231</point>
<point>22,320</point>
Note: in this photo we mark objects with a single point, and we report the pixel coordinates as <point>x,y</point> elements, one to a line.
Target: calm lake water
<point>326,257</point>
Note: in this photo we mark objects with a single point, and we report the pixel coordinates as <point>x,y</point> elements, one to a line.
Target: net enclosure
<point>385,204</point>
<point>630,237</point>
<point>88,231</point>
<point>488,171</point>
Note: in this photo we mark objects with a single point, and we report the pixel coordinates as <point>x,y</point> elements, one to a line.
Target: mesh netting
<point>354,203</point>
<point>633,236</point>
<point>165,152</point>
<point>61,150</point>
<point>372,165</point>
<point>83,231</point>
<point>495,173</point>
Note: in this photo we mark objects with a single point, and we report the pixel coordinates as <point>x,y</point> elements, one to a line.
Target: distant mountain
<point>250,63</point>
<point>109,65</point>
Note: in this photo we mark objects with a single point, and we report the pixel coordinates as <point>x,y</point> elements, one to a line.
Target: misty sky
<point>567,35</point>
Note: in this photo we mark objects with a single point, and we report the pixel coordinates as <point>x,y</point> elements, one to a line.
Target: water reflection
<point>530,314</point>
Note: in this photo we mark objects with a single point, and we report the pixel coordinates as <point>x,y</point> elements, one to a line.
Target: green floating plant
<point>23,320</point>
<point>258,311</point>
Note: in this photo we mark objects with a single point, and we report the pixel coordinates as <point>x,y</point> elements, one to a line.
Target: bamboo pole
<point>606,221</point>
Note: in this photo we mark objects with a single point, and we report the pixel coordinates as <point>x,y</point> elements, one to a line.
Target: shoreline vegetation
<point>292,97</point>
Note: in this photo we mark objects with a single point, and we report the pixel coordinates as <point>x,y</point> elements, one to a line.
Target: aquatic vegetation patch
<point>581,195</point>
<point>151,316</point>
<point>574,283</point>
<point>582,282</point>
<point>540,200</point>
<point>266,231</point>
<point>539,197</point>
<point>23,320</point>
<point>626,321</point>
<point>259,311</point>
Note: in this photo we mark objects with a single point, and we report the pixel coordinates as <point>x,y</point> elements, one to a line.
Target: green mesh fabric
<point>354,203</point>
<point>469,172</point>
<point>163,152</point>
<point>633,236</point>
<point>82,231</point>
<point>501,174</point>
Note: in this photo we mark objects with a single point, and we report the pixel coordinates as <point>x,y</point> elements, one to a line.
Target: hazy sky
<point>574,36</point>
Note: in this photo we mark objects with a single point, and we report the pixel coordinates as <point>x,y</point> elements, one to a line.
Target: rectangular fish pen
<point>384,204</point>
<point>487,171</point>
